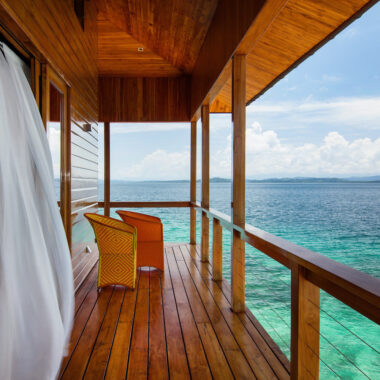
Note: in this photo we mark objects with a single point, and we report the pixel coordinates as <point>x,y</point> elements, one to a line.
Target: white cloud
<point>124,128</point>
<point>355,113</point>
<point>268,156</point>
<point>160,165</point>
<point>331,78</point>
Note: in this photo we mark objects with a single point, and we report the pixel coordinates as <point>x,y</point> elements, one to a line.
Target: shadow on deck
<point>176,324</point>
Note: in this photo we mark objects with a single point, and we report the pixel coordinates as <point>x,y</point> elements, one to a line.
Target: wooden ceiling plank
<point>230,24</point>
<point>174,30</point>
<point>300,29</point>
<point>118,55</point>
<point>343,13</point>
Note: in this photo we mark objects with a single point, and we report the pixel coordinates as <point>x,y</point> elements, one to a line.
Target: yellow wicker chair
<point>117,242</point>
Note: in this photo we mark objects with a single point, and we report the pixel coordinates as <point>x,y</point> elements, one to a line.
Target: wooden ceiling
<point>197,38</point>
<point>299,28</point>
<point>171,33</point>
<point>119,55</point>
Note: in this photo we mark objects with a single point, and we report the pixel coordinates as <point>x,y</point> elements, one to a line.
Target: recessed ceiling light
<point>140,49</point>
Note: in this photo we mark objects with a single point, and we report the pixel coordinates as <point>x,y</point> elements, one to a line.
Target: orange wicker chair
<point>150,238</point>
<point>117,243</point>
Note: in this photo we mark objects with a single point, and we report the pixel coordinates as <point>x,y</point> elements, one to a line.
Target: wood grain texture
<point>257,342</point>
<point>205,236</point>
<point>205,114</point>
<point>107,169</point>
<point>217,251</point>
<point>284,34</point>
<point>177,322</point>
<point>143,99</point>
<point>174,30</point>
<point>305,323</point>
<point>119,55</point>
<point>157,359</point>
<point>151,204</point>
<point>56,100</point>
<point>238,181</point>
<point>205,156</point>
<point>51,31</point>
<point>238,139</point>
<point>193,181</point>
<point>52,27</point>
<point>356,289</point>
<point>231,21</point>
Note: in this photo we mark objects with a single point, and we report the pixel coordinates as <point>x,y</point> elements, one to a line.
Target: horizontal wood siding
<point>51,31</point>
<point>143,99</point>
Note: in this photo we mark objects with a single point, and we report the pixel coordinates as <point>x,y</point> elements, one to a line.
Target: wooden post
<point>66,152</point>
<point>217,251</point>
<point>193,182</point>
<point>107,169</point>
<point>305,321</point>
<point>205,180</point>
<point>238,181</point>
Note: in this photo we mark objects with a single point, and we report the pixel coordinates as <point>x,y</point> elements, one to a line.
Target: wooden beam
<point>217,251</point>
<point>107,169</point>
<point>231,22</point>
<point>125,99</point>
<point>205,180</point>
<point>305,323</point>
<point>67,165</point>
<point>170,204</point>
<point>193,181</point>
<point>264,19</point>
<point>238,181</point>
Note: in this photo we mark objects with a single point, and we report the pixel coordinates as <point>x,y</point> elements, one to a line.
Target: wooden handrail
<point>147,204</point>
<point>358,290</point>
<point>310,272</point>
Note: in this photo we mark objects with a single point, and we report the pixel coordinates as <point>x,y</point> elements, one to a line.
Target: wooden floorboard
<point>119,355</point>
<point>176,324</point>
<point>269,349</point>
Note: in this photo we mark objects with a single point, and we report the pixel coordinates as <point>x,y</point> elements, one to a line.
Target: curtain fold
<point>36,282</point>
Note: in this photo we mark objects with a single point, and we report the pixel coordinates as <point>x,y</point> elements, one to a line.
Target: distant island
<point>274,180</point>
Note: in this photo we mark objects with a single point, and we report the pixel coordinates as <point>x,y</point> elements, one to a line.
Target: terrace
<point>178,61</point>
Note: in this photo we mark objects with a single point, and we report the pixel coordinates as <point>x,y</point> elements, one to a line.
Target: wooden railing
<point>310,272</point>
<point>146,204</point>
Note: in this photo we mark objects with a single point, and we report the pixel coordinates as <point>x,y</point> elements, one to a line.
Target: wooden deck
<point>177,324</point>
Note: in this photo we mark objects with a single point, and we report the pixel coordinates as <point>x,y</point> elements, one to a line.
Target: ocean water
<point>338,220</point>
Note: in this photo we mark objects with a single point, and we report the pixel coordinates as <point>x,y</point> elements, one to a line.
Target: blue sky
<point>322,119</point>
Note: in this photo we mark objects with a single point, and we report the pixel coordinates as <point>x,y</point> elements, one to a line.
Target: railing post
<point>205,180</point>
<point>67,167</point>
<point>193,182</point>
<point>217,250</point>
<point>238,181</point>
<point>107,169</point>
<point>305,321</point>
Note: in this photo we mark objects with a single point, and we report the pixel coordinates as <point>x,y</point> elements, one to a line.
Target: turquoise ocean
<point>338,220</point>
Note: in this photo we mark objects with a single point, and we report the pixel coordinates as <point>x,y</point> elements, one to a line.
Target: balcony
<point>176,324</point>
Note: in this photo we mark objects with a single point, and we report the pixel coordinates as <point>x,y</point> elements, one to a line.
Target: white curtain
<point>36,283</point>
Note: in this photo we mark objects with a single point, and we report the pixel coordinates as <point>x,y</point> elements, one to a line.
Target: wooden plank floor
<point>177,324</point>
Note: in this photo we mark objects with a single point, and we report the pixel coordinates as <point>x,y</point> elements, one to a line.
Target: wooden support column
<point>217,251</point>
<point>305,323</point>
<point>238,181</point>
<point>205,113</point>
<point>107,169</point>
<point>193,182</point>
<point>66,152</point>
